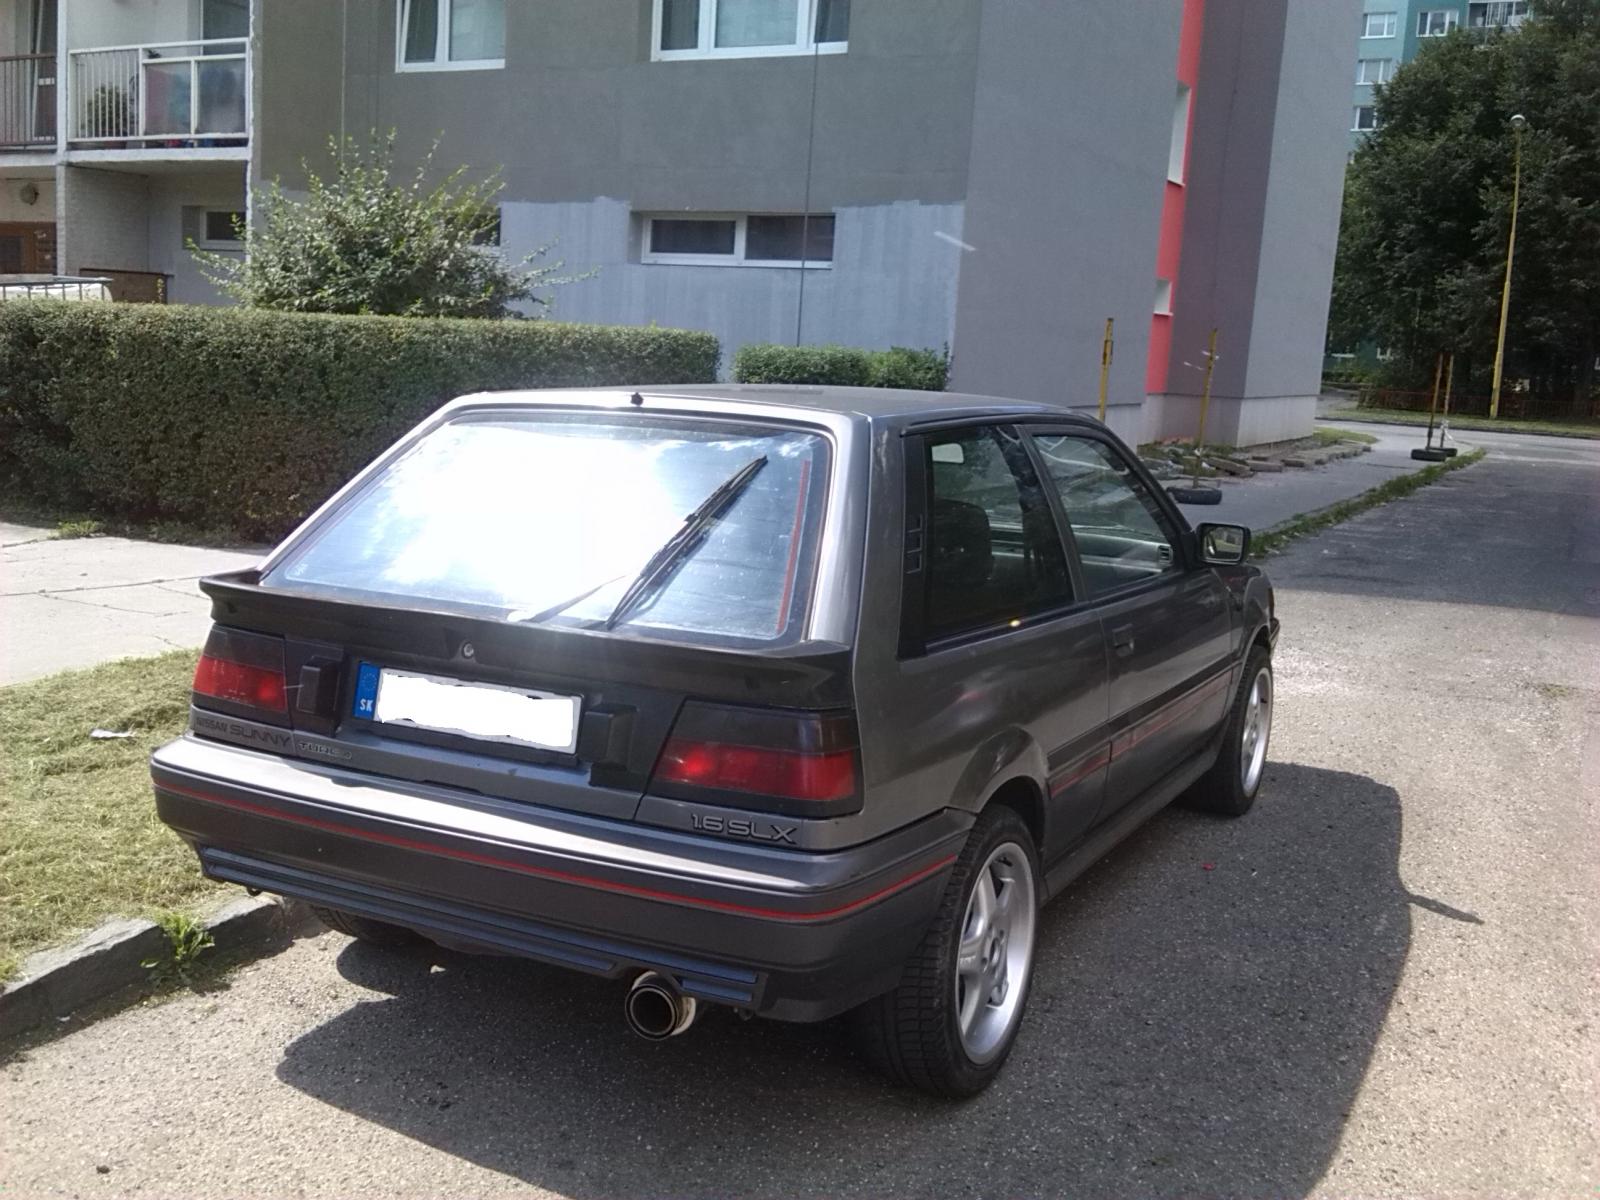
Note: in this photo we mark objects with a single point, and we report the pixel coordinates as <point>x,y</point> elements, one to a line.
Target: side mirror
<point>1223,545</point>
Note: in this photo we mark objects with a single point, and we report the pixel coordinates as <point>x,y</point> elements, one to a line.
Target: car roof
<point>887,406</point>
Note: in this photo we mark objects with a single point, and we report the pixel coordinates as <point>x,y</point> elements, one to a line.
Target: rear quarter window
<point>549,518</point>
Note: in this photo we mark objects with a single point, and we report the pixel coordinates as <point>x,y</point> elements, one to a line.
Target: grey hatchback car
<point>825,744</point>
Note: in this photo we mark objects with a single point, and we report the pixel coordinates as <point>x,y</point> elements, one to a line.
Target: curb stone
<point>108,959</point>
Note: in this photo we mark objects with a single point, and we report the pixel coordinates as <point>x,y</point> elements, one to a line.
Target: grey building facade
<point>995,177</point>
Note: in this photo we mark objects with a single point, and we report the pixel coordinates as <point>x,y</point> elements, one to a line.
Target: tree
<point>362,242</point>
<point>1428,206</point>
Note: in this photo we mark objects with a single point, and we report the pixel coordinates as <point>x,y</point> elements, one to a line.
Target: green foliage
<point>187,940</point>
<point>843,366</point>
<point>363,242</point>
<point>1428,207</point>
<point>248,420</point>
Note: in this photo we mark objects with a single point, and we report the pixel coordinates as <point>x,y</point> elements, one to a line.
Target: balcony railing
<point>54,287</point>
<point>28,102</point>
<point>167,94</point>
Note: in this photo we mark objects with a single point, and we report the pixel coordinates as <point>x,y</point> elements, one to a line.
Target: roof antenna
<point>636,399</point>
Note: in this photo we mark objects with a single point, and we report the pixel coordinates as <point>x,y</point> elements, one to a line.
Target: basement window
<point>748,28</point>
<point>756,240</point>
<point>221,229</point>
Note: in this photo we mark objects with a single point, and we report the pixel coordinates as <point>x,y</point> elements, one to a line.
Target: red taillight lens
<point>760,770</point>
<point>772,760</point>
<point>241,683</point>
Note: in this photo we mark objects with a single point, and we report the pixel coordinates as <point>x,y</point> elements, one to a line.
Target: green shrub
<point>842,366</point>
<point>920,370</point>
<point>250,419</point>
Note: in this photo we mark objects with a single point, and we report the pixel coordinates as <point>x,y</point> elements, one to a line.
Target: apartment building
<point>998,176</point>
<point>1392,32</point>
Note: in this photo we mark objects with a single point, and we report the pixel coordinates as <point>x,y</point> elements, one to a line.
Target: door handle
<point>1122,640</point>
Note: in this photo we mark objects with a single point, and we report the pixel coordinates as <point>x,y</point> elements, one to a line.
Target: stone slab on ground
<point>110,958</point>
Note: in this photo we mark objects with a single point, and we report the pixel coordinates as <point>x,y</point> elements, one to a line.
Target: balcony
<point>28,102</point>
<point>184,96</point>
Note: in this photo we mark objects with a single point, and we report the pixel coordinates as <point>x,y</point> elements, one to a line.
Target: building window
<point>1163,297</point>
<point>749,28</point>
<point>1381,25</point>
<point>1437,22</point>
<point>451,35</point>
<point>1496,14</point>
<point>222,229</point>
<point>1366,119</point>
<point>1178,154</point>
<point>788,240</point>
<point>1375,70</point>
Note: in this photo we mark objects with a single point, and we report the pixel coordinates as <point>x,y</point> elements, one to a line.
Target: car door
<point>999,657</point>
<point>1167,623</point>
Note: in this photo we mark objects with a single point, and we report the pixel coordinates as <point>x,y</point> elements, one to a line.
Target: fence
<point>54,287</point>
<point>163,93</point>
<point>1512,404</point>
<point>27,101</point>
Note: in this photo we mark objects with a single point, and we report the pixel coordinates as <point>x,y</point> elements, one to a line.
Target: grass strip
<point>1279,536</point>
<point>79,838</point>
<point>1383,416</point>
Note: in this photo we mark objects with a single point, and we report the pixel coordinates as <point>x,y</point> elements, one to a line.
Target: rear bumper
<point>796,936</point>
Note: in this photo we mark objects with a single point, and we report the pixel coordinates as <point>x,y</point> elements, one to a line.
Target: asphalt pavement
<point>1379,983</point>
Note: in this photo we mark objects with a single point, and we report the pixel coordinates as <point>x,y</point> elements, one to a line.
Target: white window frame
<point>1178,150</point>
<point>205,243</point>
<point>804,43</point>
<point>737,258</point>
<point>1452,21</point>
<point>1391,23</point>
<point>1514,18</point>
<point>441,49</point>
<point>1386,69</point>
<point>1357,126</point>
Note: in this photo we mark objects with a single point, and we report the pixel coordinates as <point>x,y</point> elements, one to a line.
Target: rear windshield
<point>549,518</point>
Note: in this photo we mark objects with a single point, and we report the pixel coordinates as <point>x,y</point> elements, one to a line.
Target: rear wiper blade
<point>689,536</point>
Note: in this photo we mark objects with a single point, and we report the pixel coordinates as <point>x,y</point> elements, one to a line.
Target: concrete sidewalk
<point>1268,500</point>
<point>77,602</point>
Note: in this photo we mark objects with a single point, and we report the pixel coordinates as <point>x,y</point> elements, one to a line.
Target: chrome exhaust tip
<point>656,1010</point>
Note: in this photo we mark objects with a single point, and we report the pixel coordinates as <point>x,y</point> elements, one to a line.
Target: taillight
<point>795,763</point>
<point>242,672</point>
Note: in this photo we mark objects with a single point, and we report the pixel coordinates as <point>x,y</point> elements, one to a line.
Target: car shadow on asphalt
<point>1206,1002</point>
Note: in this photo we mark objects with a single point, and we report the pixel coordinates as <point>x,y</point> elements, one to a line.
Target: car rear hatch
<point>458,619</point>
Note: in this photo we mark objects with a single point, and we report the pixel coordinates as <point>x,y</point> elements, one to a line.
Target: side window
<point>993,551</point>
<point>1121,532</point>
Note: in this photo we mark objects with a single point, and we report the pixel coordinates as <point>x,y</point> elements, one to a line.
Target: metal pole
<point>1505,295</point>
<point>1105,365</point>
<point>1433,404</point>
<point>1449,383</point>
<point>1205,403</point>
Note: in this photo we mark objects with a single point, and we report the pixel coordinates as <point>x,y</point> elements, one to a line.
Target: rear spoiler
<point>810,675</point>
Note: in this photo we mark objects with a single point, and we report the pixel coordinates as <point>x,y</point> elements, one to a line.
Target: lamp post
<point>1518,124</point>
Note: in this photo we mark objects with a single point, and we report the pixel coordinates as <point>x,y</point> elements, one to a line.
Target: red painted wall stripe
<point>1169,251</point>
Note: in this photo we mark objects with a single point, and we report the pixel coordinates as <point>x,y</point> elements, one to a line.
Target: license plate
<point>486,711</point>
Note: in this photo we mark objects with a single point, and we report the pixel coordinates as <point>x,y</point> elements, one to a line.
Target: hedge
<point>247,420</point>
<point>844,366</point>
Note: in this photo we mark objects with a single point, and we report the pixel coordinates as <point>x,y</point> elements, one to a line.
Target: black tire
<point>1223,789</point>
<point>1193,495</point>
<point>911,1033</point>
<point>1429,455</point>
<point>365,929</point>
